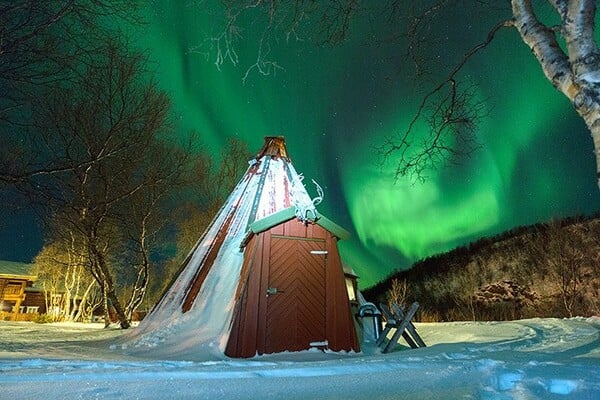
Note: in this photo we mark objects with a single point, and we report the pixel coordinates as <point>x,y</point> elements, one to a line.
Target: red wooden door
<point>296,303</point>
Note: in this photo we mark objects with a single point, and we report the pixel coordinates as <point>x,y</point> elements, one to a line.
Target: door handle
<point>273,290</point>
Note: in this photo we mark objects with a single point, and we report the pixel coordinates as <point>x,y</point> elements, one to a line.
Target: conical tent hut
<point>265,277</point>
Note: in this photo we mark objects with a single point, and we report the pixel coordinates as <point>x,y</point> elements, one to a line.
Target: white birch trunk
<point>575,71</point>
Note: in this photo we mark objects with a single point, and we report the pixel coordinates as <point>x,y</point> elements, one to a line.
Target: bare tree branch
<point>451,113</point>
<point>41,46</point>
<point>324,22</point>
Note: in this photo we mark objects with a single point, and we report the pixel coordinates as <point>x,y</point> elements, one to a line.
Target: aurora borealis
<point>335,103</point>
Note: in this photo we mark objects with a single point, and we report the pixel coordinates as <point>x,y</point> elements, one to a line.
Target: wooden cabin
<point>15,279</point>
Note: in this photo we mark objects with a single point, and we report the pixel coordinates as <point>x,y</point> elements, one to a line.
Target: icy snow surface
<point>527,359</point>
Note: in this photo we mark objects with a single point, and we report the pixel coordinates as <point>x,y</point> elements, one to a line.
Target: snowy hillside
<point>527,359</point>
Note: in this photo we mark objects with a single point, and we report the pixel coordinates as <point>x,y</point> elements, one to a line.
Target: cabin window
<point>13,288</point>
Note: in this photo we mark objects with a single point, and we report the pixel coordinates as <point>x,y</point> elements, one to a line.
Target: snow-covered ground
<point>527,359</point>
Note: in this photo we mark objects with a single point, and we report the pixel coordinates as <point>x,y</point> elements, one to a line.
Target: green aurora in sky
<point>334,104</point>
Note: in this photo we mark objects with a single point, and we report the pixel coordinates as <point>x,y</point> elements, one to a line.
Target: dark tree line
<point>542,270</point>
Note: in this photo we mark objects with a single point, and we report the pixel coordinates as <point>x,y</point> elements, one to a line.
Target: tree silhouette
<point>43,43</point>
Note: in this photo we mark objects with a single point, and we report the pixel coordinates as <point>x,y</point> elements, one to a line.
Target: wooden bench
<point>401,322</point>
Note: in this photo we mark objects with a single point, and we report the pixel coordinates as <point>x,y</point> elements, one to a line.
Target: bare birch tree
<point>566,265</point>
<point>68,287</point>
<point>115,117</point>
<point>398,293</point>
<point>146,213</point>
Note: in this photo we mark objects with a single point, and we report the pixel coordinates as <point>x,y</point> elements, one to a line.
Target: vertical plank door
<point>296,304</point>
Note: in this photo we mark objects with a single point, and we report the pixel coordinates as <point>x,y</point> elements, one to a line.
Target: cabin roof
<point>288,213</point>
<point>16,270</point>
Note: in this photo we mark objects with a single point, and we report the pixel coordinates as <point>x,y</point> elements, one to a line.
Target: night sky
<point>334,104</point>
